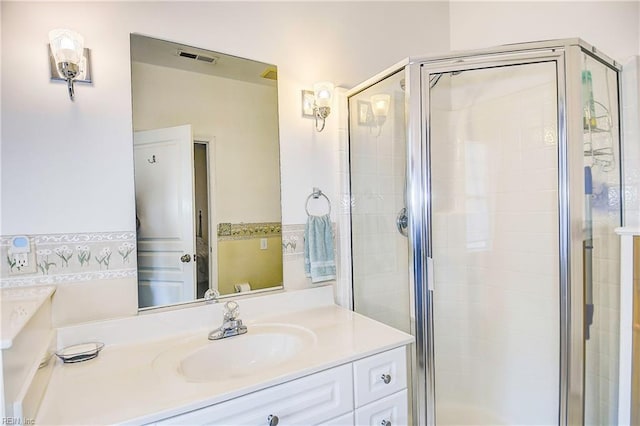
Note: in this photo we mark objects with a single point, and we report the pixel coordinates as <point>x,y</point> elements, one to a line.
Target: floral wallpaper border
<point>74,257</point>
<point>293,241</point>
<point>69,258</point>
<point>242,231</point>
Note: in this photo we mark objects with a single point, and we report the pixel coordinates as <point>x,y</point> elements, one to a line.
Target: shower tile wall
<point>602,349</point>
<point>631,139</point>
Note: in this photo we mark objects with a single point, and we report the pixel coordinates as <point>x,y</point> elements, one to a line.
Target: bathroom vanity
<point>303,361</point>
<point>372,389</point>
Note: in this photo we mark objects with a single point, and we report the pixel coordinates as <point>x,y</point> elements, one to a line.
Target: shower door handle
<point>402,222</point>
<point>430,274</point>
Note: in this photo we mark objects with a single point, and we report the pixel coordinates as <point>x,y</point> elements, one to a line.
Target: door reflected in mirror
<point>207,172</point>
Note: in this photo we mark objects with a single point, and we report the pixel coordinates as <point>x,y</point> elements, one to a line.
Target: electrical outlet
<point>263,243</point>
<point>21,256</point>
<point>21,260</point>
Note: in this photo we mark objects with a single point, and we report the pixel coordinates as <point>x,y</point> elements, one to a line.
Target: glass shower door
<point>380,253</point>
<point>377,157</point>
<point>494,232</point>
<point>601,140</point>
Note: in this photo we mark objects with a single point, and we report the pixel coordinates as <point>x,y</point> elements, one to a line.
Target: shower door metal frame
<point>566,54</point>
<point>570,363</point>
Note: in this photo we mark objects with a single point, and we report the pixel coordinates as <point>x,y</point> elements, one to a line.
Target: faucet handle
<point>211,295</point>
<point>232,310</point>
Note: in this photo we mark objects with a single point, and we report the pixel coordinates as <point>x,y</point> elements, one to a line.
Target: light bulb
<point>66,45</point>
<point>323,92</point>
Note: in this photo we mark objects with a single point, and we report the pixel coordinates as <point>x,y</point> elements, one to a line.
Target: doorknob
<point>186,258</point>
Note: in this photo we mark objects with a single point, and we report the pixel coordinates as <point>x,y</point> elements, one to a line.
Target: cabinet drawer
<point>309,400</point>
<point>380,375</point>
<point>346,420</point>
<point>393,410</point>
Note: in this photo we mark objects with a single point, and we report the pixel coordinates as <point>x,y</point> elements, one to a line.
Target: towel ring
<point>317,193</point>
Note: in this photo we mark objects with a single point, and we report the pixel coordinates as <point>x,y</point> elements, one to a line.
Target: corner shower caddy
<point>599,139</point>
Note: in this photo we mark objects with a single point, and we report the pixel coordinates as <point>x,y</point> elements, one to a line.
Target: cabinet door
<point>389,411</point>
<point>380,375</point>
<point>310,400</point>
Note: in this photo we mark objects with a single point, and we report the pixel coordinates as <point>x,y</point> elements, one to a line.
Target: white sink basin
<point>263,346</point>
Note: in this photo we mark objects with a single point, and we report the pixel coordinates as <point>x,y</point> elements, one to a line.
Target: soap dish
<point>80,353</point>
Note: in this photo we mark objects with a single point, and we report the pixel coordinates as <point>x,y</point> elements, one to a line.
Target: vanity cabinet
<point>380,389</point>
<point>369,391</point>
<point>380,375</point>
<point>389,411</point>
<point>307,400</point>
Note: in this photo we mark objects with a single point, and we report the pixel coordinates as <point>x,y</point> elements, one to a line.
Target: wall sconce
<point>380,109</point>
<point>68,59</point>
<point>317,104</point>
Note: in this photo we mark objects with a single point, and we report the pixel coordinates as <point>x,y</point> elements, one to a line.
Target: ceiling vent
<point>197,57</point>
<point>270,73</point>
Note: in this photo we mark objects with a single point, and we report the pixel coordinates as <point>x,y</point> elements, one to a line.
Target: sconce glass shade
<point>380,105</point>
<point>69,57</point>
<point>66,46</point>
<point>323,95</point>
<point>323,92</point>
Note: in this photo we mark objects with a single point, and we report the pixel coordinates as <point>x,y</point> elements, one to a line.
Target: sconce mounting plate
<point>308,101</point>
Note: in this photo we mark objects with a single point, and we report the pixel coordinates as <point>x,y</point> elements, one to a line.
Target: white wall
<point>611,26</point>
<point>67,166</point>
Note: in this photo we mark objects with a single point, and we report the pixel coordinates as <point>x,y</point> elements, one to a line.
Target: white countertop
<point>17,306</point>
<point>126,385</point>
<point>628,230</point>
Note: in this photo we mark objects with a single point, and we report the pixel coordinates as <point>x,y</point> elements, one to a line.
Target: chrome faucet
<point>231,325</point>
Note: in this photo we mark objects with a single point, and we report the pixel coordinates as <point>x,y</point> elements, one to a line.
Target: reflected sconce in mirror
<point>68,59</point>
<point>380,109</point>
<point>317,103</point>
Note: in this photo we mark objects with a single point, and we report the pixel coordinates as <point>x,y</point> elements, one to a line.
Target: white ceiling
<point>165,53</point>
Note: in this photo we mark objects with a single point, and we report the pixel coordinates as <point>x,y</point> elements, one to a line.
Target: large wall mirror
<point>207,172</point>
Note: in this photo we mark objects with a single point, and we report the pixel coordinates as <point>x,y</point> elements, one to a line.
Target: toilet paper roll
<point>242,287</point>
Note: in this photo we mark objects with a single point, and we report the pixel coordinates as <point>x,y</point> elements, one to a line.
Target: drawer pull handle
<point>386,378</point>
<point>272,420</point>
<point>385,423</point>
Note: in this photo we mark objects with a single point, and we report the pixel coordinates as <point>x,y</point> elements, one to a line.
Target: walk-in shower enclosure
<point>501,167</point>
